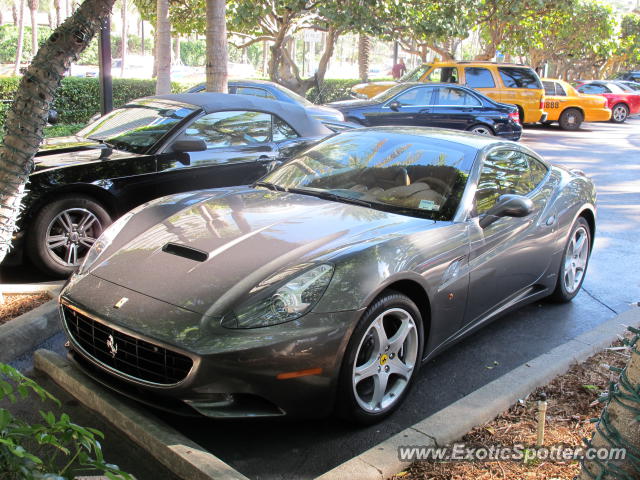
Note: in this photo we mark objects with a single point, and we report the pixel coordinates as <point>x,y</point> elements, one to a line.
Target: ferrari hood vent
<point>186,252</point>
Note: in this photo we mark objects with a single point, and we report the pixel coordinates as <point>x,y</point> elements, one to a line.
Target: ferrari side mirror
<point>507,206</point>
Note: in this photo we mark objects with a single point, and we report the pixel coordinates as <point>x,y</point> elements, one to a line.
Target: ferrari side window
<point>507,172</point>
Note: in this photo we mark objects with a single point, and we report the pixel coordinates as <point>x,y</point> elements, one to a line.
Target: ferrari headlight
<point>286,303</point>
<point>103,242</point>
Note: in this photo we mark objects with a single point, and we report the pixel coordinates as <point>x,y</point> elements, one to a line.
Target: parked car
<point>329,282</point>
<point>146,149</point>
<point>632,76</point>
<point>628,86</point>
<point>435,105</point>
<point>503,82</point>
<point>621,103</point>
<point>274,91</point>
<point>569,108</point>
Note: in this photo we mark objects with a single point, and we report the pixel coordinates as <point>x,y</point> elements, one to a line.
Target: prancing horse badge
<point>121,302</point>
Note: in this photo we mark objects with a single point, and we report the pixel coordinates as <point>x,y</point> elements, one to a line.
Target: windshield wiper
<point>270,186</point>
<point>331,196</point>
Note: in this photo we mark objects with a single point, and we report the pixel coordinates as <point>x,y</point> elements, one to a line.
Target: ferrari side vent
<point>186,252</point>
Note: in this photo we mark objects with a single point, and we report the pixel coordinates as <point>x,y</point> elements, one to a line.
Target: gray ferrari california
<point>324,286</point>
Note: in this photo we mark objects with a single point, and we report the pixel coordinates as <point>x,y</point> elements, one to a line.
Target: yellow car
<point>570,108</point>
<point>504,82</point>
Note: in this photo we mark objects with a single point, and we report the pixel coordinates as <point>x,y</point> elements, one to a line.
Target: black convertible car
<point>146,149</point>
<point>435,105</point>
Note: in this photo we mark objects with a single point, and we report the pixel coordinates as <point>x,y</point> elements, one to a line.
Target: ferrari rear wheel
<point>575,260</point>
<point>570,119</point>
<point>381,360</point>
<point>619,113</point>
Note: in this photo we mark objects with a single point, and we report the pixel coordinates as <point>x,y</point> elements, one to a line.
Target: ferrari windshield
<point>400,170</point>
<point>138,126</point>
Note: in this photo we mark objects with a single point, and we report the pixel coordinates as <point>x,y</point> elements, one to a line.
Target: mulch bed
<point>572,402</point>
<point>16,305</point>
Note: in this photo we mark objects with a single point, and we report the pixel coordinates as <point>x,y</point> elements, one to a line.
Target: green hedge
<point>334,89</point>
<point>78,99</point>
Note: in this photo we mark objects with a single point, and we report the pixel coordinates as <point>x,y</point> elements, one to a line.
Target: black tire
<point>348,406</point>
<point>481,129</point>
<point>561,293</point>
<point>571,119</point>
<point>78,207</point>
<point>619,113</point>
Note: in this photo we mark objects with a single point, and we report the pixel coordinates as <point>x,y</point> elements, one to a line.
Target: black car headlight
<point>288,302</point>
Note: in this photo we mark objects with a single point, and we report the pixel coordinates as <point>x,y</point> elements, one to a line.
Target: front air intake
<point>186,252</point>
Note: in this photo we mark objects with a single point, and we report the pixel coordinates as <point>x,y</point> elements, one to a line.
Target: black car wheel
<point>381,360</point>
<point>570,119</point>
<point>481,129</point>
<point>574,262</point>
<point>63,231</point>
<point>619,113</point>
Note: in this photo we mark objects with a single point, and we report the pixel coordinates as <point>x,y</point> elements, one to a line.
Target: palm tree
<point>163,48</point>
<point>619,424</point>
<point>364,55</point>
<point>16,69</point>
<point>216,35</point>
<point>33,8</point>
<point>57,7</point>
<point>124,38</point>
<point>28,114</point>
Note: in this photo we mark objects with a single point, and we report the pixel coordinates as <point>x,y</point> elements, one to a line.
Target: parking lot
<point>610,154</point>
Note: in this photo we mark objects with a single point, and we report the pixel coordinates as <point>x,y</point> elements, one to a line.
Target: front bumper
<point>235,373</point>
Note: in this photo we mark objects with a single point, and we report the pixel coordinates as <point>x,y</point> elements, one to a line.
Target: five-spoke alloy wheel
<point>619,113</point>
<point>382,358</point>
<point>574,262</point>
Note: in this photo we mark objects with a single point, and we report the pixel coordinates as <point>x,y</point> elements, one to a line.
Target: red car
<point>621,103</point>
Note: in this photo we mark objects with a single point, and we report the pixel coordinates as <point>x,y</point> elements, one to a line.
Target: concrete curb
<point>26,332</point>
<point>51,287</point>
<point>483,405</point>
<point>183,457</point>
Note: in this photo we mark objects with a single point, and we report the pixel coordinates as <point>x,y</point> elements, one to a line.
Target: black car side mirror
<point>189,144</point>
<point>395,106</point>
<point>507,206</point>
<point>52,119</point>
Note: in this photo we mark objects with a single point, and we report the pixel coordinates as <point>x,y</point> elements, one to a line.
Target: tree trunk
<point>364,56</point>
<point>123,40</point>
<point>33,9</point>
<point>16,68</point>
<point>56,6</point>
<point>14,13</point>
<point>618,426</point>
<point>163,48</point>
<point>28,114</point>
<point>216,35</point>
<point>175,59</point>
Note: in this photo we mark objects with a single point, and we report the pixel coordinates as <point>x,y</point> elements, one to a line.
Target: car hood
<point>324,112</point>
<point>351,104</point>
<point>243,238</point>
<point>67,151</point>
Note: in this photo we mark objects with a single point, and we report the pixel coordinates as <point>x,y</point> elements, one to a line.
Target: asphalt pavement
<point>274,449</point>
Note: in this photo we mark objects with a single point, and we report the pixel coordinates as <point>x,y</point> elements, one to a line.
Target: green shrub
<point>78,99</point>
<point>63,448</point>
<point>62,130</point>
<point>9,42</point>
<point>332,90</point>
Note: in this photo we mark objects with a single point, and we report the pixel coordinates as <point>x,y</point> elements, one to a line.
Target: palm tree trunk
<point>16,68</point>
<point>56,6</point>
<point>619,426</point>
<point>28,114</point>
<point>364,55</point>
<point>216,35</point>
<point>124,38</point>
<point>163,48</point>
<point>33,9</point>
